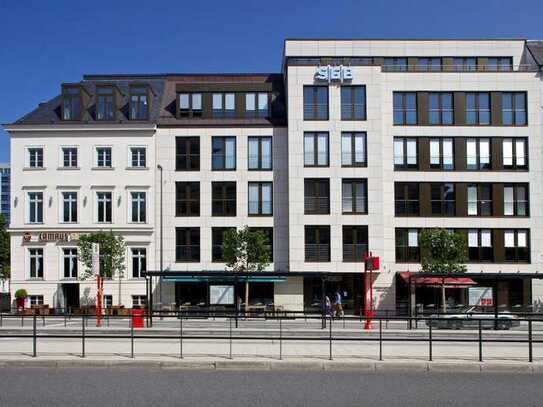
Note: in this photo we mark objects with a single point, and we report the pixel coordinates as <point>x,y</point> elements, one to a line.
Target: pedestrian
<point>328,305</point>
<point>338,306</point>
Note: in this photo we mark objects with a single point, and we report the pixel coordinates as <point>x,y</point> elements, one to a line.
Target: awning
<point>450,282</point>
<point>223,279</point>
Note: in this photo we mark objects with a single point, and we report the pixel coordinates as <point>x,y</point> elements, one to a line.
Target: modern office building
<point>355,145</point>
<point>5,187</point>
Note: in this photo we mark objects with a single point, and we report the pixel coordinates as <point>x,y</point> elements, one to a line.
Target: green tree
<point>246,250</point>
<point>4,250</point>
<point>112,255</point>
<point>443,252</point>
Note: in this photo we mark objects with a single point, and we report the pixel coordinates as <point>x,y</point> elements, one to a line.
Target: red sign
<point>372,263</point>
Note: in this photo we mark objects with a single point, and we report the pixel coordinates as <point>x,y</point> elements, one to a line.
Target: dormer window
<point>224,105</point>
<point>105,103</point>
<point>71,103</point>
<point>256,105</point>
<point>190,105</point>
<point>139,103</point>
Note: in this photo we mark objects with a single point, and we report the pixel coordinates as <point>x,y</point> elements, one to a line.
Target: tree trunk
<point>246,296</point>
<point>443,299</point>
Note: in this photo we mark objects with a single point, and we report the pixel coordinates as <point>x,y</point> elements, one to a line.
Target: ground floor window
<point>35,300</point>
<point>107,301</point>
<point>139,301</point>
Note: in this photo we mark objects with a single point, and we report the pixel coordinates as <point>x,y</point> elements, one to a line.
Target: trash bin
<point>137,318</point>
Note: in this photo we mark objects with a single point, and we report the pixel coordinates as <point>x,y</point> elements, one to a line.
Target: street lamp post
<point>161,238</point>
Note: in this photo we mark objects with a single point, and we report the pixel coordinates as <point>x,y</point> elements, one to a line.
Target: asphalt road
<point>135,387</point>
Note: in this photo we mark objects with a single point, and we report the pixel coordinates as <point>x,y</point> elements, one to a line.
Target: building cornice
<point>82,127</point>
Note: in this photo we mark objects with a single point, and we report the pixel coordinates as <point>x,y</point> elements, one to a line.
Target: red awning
<point>450,282</point>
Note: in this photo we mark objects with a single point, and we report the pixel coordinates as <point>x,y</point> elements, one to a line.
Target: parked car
<point>469,317</point>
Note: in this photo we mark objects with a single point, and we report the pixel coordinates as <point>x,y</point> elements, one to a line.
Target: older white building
<point>358,145</point>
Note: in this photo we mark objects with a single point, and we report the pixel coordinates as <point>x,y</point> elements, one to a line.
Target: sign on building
<point>480,296</point>
<point>331,73</point>
<point>221,294</point>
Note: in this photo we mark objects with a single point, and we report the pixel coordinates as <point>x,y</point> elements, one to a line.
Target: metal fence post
<point>430,356</point>
<point>181,336</point>
<point>131,338</point>
<point>34,337</point>
<point>1,319</point>
<point>380,339</point>
<point>230,337</point>
<point>83,335</point>
<point>330,338</point>
<point>480,342</point>
<point>530,344</point>
<point>43,320</point>
<point>22,320</point>
<point>280,339</point>
<point>64,319</point>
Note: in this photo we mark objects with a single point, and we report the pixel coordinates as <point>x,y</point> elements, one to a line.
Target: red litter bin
<point>137,318</point>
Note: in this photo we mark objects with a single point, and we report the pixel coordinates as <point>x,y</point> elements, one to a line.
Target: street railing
<point>276,333</point>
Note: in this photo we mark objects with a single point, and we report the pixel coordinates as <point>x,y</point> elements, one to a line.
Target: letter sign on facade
<point>334,73</point>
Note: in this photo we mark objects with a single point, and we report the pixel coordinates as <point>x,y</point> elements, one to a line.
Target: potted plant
<point>20,297</point>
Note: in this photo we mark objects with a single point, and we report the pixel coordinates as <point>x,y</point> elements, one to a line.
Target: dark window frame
<point>223,201</point>
<point>354,252</point>
<point>106,102</point>
<point>311,108</point>
<point>406,205</point>
<point>192,160</point>
<point>514,254</point>
<point>142,98</point>
<point>190,112</point>
<point>259,140</point>
<point>184,207</point>
<point>479,253</point>
<point>315,203</point>
<point>403,252</point>
<point>191,248</point>
<point>223,167</point>
<point>223,112</point>
<point>217,255</point>
<point>514,165</point>
<point>257,112</point>
<point>406,166</point>
<point>353,135</point>
<point>514,110</point>
<point>351,106</point>
<point>479,165</point>
<point>354,182</point>
<point>403,109</point>
<point>441,110</point>
<point>516,201</point>
<point>441,166</point>
<point>69,96</point>
<point>321,247</point>
<point>260,185</point>
<point>477,110</point>
<point>483,205</point>
<point>315,136</point>
<point>445,205</point>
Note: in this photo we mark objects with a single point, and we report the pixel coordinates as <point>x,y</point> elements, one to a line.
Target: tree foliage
<point>443,251</point>
<point>246,250</point>
<point>112,253</point>
<point>4,250</point>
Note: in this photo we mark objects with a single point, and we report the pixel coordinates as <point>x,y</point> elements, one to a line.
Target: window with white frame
<point>69,157</point>
<point>35,300</point>
<point>138,301</point>
<point>69,260</point>
<point>35,207</point>
<point>103,157</point>
<point>35,263</point>
<point>514,153</point>
<point>138,157</point>
<point>35,157</point>
<point>104,206</point>
<point>139,210</point>
<point>405,153</point>
<point>139,262</point>
<point>69,207</point>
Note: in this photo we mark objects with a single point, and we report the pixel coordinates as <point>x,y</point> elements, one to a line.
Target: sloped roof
<point>536,49</point>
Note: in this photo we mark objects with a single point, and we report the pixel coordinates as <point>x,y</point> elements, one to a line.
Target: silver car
<point>469,317</point>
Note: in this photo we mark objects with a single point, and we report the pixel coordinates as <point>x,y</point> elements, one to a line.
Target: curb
<point>260,365</point>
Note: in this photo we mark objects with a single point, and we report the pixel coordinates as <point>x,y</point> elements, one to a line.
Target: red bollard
<point>137,318</point>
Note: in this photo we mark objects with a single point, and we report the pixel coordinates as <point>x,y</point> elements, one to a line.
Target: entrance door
<point>71,296</point>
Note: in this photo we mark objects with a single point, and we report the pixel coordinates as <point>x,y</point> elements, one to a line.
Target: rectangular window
<point>139,262</point>
<point>514,108</point>
<point>190,105</point>
<point>217,239</point>
<point>405,108</point>
<point>69,157</point>
<point>317,196</point>
<point>440,108</point>
<point>406,197</point>
<point>71,103</point>
<point>104,207</point>
<point>139,207</point>
<point>480,200</point>
<point>108,301</point>
<point>105,103</point>
<point>138,157</point>
<point>429,64</point>
<point>353,103</point>
<point>139,104</point>
<point>139,301</point>
<point>35,157</point>
<point>395,64</point>
<point>223,198</point>
<point>354,196</point>
<point>268,236</point>
<point>405,153</point>
<point>70,262</point>
<point>317,243</point>
<point>463,64</point>
<point>407,246</point>
<point>353,149</point>
<point>517,245</point>
<point>514,153</point>
<point>478,108</point>
<point>442,154</point>
<point>187,199</point>
<point>480,245</point>
<point>443,199</point>
<point>224,105</point>
<point>260,153</point>
<point>256,105</point>
<point>260,198</point>
<point>35,262</point>
<point>315,103</point>
<point>515,200</point>
<point>499,64</point>
<point>35,300</point>
<point>103,157</point>
<point>69,207</point>
<point>187,153</point>
<point>35,207</point>
<point>224,153</point>
<point>316,150</point>
<point>355,243</point>
<point>187,245</point>
<point>478,154</point>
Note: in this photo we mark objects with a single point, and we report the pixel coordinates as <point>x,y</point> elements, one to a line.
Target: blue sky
<point>44,43</point>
